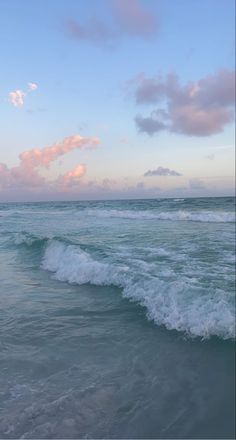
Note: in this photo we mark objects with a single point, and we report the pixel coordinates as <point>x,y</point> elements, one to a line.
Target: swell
<point>177,304</point>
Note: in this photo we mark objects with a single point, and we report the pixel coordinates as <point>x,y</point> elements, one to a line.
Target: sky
<point>112,99</point>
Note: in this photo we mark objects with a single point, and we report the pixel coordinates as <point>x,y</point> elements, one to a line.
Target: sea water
<point>117,319</point>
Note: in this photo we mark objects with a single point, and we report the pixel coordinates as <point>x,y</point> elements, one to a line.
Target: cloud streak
<point>202,108</point>
<point>26,174</point>
<point>160,171</point>
<point>128,19</point>
<point>36,157</point>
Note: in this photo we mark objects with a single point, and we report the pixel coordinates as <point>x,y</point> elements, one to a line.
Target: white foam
<point>181,304</point>
<point>72,264</point>
<point>194,216</point>
<point>184,307</point>
<point>7,213</point>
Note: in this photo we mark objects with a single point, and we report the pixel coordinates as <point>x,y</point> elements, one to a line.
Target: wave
<point>25,238</point>
<point>194,216</point>
<point>72,264</point>
<point>178,304</point>
<point>31,240</point>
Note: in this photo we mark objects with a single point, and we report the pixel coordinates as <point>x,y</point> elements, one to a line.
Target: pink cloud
<point>219,88</point>
<point>36,157</point>
<point>196,109</point>
<point>17,98</point>
<point>19,177</point>
<point>153,90</point>
<point>26,174</point>
<point>72,177</point>
<point>195,120</point>
<point>127,18</point>
<point>150,90</point>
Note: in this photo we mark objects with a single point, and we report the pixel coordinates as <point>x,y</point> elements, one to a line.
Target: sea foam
<point>181,215</point>
<point>178,304</point>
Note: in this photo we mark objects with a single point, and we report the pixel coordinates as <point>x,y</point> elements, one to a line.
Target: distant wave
<point>180,305</point>
<point>206,216</point>
<point>194,216</point>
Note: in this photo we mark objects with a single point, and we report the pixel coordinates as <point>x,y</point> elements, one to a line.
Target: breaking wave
<point>194,216</point>
<point>179,304</point>
<point>25,238</point>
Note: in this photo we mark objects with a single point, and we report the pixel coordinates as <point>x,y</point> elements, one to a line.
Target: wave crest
<point>25,238</point>
<point>177,304</point>
<point>194,216</point>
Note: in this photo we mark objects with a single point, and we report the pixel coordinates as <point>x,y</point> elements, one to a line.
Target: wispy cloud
<point>93,31</point>
<point>202,108</point>
<point>17,97</point>
<point>36,157</point>
<point>160,171</point>
<point>127,19</point>
<point>132,18</point>
<point>26,174</point>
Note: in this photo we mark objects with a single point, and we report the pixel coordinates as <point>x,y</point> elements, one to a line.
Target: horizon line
<point>117,200</point>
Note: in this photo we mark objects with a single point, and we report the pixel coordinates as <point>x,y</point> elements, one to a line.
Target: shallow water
<point>117,322</point>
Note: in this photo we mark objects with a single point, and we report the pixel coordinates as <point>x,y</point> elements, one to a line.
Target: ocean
<point>117,319</point>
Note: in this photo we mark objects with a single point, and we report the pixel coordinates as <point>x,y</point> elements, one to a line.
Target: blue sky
<point>90,61</point>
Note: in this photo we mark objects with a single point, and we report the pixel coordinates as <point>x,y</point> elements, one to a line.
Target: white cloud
<point>32,86</point>
<point>17,98</point>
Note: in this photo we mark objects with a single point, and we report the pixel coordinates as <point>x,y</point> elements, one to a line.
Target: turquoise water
<point>117,319</point>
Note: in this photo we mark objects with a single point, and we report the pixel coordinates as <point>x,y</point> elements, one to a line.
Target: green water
<point>117,319</point>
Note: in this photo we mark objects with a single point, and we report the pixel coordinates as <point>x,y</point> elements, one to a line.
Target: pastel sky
<point>110,99</point>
